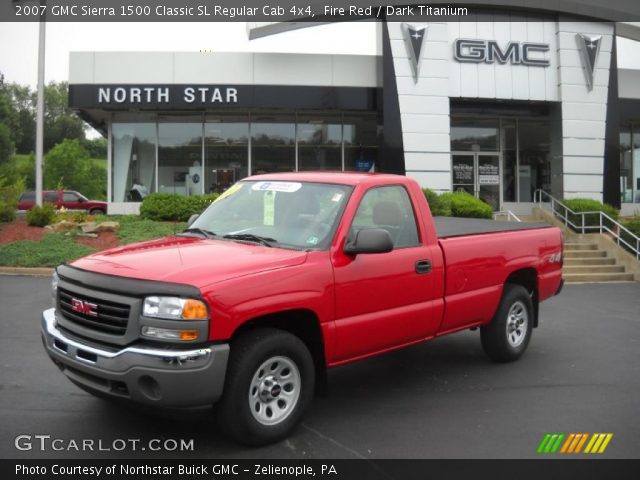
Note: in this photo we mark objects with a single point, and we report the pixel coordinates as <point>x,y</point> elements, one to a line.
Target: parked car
<point>69,199</point>
<point>285,276</point>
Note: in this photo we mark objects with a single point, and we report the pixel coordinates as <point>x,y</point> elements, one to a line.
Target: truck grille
<point>110,318</point>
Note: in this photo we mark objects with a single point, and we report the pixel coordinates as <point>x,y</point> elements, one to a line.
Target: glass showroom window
<point>626,165</point>
<point>509,160</point>
<point>180,158</point>
<point>134,160</point>
<point>273,145</point>
<point>319,143</point>
<point>361,139</point>
<point>534,170</point>
<point>226,151</point>
<point>475,135</point>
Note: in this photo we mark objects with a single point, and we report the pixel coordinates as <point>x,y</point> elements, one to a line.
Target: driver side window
<point>388,208</point>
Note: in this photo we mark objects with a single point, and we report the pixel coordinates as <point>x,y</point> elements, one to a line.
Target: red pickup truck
<point>283,277</point>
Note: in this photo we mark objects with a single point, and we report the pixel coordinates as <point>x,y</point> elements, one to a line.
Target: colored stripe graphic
<point>550,443</point>
<point>598,443</point>
<point>573,443</point>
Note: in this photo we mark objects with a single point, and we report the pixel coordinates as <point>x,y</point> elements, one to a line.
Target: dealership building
<point>499,107</point>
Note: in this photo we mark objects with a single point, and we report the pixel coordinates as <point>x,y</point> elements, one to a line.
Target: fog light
<point>169,333</point>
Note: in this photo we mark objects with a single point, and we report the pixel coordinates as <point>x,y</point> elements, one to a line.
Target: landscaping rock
<point>107,227</point>
<point>64,226</point>
<point>89,227</point>
<point>88,235</point>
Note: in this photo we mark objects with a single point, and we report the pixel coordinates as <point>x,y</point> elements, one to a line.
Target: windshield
<point>300,215</point>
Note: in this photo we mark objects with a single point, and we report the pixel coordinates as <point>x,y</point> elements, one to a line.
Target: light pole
<point>40,104</point>
<point>42,30</point>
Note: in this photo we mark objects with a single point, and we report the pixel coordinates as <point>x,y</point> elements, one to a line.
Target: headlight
<point>54,282</point>
<point>54,287</point>
<point>174,308</point>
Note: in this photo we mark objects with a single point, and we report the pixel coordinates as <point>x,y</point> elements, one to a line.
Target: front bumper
<point>153,376</point>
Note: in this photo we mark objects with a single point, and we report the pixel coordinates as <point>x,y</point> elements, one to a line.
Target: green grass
<point>55,249</point>
<point>135,229</point>
<point>51,251</point>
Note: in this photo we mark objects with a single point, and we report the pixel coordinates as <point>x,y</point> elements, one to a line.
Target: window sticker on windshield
<point>287,187</point>
<point>229,191</point>
<point>313,240</point>
<point>336,197</point>
<point>269,208</point>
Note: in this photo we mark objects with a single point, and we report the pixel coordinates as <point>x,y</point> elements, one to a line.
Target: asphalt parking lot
<point>443,399</point>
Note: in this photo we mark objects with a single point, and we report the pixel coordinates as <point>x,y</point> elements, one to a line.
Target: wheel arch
<point>305,325</point>
<point>527,278</point>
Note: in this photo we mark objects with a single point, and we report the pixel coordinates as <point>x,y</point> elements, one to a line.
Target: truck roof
<point>344,178</point>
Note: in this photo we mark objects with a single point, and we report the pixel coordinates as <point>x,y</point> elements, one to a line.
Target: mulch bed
<point>20,230</point>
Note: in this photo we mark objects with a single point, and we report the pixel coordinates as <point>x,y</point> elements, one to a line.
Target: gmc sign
<point>488,51</point>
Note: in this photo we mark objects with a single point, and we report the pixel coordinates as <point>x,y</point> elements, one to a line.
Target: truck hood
<point>188,260</point>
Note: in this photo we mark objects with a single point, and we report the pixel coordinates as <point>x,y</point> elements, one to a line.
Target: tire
<point>269,384</point>
<point>96,211</point>
<point>506,338</point>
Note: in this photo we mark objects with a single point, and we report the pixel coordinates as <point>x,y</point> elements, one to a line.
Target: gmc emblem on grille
<point>86,308</point>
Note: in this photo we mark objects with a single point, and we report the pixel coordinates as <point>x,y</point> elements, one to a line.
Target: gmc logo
<point>488,51</point>
<point>86,308</point>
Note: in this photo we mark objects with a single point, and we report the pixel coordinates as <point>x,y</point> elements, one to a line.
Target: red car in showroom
<point>69,199</point>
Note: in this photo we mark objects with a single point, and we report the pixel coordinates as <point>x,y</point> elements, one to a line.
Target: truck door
<point>384,299</point>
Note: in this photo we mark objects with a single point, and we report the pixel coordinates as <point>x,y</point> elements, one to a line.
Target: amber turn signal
<point>194,310</point>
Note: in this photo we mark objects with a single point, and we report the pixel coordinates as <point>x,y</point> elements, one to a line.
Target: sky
<point>19,43</point>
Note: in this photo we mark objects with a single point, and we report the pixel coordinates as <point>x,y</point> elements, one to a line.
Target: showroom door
<point>478,174</point>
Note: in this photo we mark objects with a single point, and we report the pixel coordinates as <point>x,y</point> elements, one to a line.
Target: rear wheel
<point>506,338</point>
<point>270,382</point>
<point>96,211</point>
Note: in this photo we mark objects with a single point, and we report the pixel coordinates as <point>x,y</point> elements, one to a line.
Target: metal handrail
<point>508,213</point>
<point>561,211</point>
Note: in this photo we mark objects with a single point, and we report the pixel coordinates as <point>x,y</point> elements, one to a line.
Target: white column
<point>424,106</point>
<point>584,111</point>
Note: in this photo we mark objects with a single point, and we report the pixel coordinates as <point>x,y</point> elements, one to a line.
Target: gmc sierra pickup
<point>283,277</point>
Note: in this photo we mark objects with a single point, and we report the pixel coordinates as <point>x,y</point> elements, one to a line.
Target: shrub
<point>431,196</point>
<point>633,224</point>
<point>77,217</point>
<point>9,193</point>
<point>41,216</point>
<point>442,205</point>
<point>172,207</point>
<point>466,205</point>
<point>589,205</point>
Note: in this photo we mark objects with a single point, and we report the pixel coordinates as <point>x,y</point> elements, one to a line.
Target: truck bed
<point>447,227</point>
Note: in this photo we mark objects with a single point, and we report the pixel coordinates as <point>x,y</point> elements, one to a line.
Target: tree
<point>24,104</point>
<point>60,123</point>
<point>7,123</point>
<point>68,164</point>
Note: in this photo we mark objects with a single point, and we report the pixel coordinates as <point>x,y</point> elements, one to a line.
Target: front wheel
<point>96,211</point>
<point>505,339</point>
<point>270,382</point>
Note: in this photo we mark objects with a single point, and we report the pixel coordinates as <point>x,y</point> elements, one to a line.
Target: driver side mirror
<point>370,240</point>
<point>192,219</point>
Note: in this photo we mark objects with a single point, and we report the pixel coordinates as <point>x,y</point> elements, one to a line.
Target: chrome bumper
<point>163,377</point>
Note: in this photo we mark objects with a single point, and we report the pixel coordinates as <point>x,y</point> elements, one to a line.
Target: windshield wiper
<point>201,231</point>
<point>250,237</point>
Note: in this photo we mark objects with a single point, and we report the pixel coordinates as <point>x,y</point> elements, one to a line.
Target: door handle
<point>423,266</point>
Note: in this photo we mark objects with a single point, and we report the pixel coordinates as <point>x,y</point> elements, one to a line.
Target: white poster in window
<point>489,179</point>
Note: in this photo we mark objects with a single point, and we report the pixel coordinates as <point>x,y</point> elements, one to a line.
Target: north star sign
<point>156,95</point>
<point>489,51</point>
